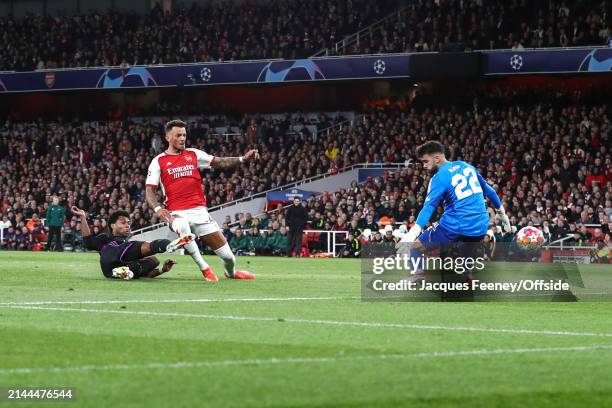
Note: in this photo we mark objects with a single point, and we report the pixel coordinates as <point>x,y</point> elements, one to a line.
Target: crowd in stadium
<point>481,25</point>
<point>294,29</point>
<point>550,164</point>
<point>220,31</point>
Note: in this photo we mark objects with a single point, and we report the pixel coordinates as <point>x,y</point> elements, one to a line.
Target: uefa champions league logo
<point>379,67</point>
<point>120,78</point>
<point>206,74</point>
<point>596,61</point>
<point>516,62</point>
<point>298,70</point>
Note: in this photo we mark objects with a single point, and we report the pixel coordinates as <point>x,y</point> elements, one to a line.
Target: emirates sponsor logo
<point>181,171</point>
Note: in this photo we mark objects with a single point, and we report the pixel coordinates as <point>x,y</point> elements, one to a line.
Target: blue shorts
<point>437,234</point>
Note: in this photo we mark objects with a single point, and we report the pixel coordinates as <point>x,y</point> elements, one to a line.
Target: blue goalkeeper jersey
<point>463,190</point>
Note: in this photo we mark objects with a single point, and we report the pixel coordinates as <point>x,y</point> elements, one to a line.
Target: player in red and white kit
<point>177,170</point>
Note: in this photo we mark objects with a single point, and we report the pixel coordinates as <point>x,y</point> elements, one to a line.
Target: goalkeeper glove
<point>505,221</point>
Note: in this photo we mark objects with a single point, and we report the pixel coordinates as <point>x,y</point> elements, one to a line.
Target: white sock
<point>181,226</point>
<point>228,258</point>
<point>194,251</point>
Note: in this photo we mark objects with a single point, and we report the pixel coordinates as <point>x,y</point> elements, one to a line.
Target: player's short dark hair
<point>430,147</point>
<point>115,216</point>
<point>175,123</point>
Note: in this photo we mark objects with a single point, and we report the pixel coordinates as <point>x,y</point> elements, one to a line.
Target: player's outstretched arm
<point>223,163</point>
<point>435,192</point>
<point>91,242</point>
<point>83,216</point>
<point>489,192</point>
<point>151,196</point>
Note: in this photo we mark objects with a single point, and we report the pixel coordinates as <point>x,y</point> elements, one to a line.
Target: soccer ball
<point>529,239</point>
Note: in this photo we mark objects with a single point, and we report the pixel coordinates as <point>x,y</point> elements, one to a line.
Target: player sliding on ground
<point>463,190</point>
<point>123,259</point>
<point>184,209</point>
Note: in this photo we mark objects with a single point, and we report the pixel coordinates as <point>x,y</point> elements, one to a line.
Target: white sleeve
<point>154,173</point>
<point>205,160</point>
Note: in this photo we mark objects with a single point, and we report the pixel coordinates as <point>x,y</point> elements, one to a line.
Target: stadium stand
<point>295,29</point>
<point>481,25</point>
<point>219,31</point>
<point>551,164</point>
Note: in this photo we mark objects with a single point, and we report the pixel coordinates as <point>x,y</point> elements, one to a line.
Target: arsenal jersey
<point>179,177</point>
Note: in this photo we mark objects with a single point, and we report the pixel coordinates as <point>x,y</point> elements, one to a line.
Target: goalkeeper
<point>463,191</point>
<point>123,259</point>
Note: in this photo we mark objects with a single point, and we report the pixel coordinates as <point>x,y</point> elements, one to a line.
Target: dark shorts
<point>437,234</point>
<point>126,254</point>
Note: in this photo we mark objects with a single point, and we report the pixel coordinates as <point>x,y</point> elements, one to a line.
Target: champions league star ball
<point>529,239</point>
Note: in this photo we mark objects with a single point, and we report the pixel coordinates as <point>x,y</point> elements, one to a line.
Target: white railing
<point>149,228</point>
<point>236,223</point>
<point>545,48</point>
<point>356,37</point>
<point>560,244</point>
<point>331,239</point>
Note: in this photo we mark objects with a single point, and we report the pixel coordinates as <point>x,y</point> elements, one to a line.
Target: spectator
<point>240,244</point>
<point>23,239</point>
<point>546,231</point>
<point>10,238</point>
<point>352,247</point>
<point>489,243</point>
<point>601,253</point>
<point>377,238</point>
<point>560,230</point>
<point>5,223</point>
<point>227,232</point>
<point>388,238</point>
<point>258,242</point>
<point>598,236</point>
<point>280,242</point>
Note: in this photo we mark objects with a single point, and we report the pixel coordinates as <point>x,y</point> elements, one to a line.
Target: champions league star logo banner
<point>126,78</point>
<point>464,271</point>
<point>558,61</point>
<point>549,61</point>
<point>228,73</point>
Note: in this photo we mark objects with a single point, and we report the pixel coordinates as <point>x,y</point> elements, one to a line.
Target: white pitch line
<point>203,300</point>
<point>319,322</point>
<point>300,360</point>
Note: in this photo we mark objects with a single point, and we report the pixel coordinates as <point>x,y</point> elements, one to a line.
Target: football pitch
<point>299,335</point>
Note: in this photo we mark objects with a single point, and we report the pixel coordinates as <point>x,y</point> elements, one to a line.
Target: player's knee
<point>180,225</point>
<point>135,267</point>
<point>159,245</point>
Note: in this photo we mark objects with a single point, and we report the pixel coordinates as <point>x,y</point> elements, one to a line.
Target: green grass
<point>286,353</point>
